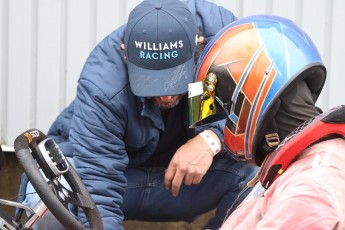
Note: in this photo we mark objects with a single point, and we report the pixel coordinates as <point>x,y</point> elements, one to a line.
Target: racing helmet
<point>243,71</point>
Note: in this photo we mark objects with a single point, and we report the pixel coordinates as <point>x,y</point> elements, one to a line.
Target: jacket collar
<point>152,112</point>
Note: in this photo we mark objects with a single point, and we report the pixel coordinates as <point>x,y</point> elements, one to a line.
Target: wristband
<point>211,142</point>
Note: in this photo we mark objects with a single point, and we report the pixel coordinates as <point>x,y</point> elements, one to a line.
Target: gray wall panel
<point>44,44</point>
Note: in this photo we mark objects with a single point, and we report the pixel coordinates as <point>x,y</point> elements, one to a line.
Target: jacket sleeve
<point>59,130</point>
<point>97,131</point>
<point>210,18</point>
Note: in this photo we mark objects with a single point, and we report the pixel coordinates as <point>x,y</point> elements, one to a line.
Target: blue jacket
<point>107,128</point>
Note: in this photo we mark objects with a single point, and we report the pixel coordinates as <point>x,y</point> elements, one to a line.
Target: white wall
<point>44,44</point>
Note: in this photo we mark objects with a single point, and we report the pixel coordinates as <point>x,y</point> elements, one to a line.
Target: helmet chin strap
<point>270,135</point>
<point>328,125</point>
<point>271,141</point>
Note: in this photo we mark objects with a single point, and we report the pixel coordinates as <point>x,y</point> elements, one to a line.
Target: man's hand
<point>190,163</point>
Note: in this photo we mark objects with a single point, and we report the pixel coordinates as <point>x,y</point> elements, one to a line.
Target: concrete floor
<point>196,225</point>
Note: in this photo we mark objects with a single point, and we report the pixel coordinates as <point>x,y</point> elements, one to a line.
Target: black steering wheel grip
<point>54,195</point>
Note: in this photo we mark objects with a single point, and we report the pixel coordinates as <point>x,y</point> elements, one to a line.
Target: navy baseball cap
<point>160,40</point>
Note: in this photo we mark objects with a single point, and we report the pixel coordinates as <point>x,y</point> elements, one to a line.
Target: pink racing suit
<point>310,194</point>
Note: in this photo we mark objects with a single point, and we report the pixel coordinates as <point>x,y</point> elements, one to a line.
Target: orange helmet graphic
<point>243,70</point>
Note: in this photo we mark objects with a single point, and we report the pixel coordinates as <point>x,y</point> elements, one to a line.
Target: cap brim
<point>163,82</point>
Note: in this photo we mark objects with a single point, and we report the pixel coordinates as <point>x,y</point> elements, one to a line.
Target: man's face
<point>166,102</point>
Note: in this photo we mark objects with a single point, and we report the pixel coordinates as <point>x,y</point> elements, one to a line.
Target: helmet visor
<point>202,107</point>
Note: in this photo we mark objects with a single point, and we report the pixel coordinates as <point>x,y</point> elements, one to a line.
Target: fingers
<point>201,39</point>
<point>173,179</point>
<point>176,183</point>
<point>189,178</point>
<point>169,176</point>
<point>193,176</point>
<point>197,178</point>
<point>175,176</point>
<point>122,46</point>
<point>189,164</point>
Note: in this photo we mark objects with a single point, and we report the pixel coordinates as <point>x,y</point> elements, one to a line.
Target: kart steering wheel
<point>35,153</point>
